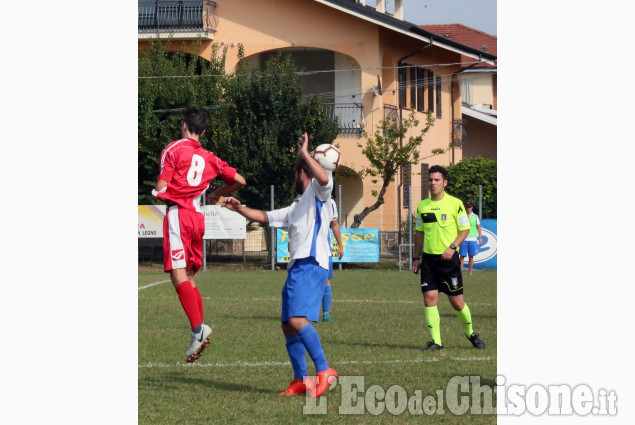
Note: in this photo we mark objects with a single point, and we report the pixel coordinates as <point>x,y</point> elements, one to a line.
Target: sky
<point>479,14</point>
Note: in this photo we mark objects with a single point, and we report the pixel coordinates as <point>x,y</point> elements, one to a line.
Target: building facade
<point>367,64</point>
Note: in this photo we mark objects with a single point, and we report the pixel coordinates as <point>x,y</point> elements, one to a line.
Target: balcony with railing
<point>350,117</point>
<point>182,19</point>
<point>391,111</point>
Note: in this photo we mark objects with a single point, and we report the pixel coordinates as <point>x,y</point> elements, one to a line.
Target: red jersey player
<point>186,170</point>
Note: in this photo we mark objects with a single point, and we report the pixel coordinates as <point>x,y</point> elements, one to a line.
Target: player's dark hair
<point>439,169</point>
<point>195,119</point>
<point>302,165</point>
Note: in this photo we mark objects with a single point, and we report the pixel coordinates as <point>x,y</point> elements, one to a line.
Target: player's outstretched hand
<point>303,145</point>
<point>231,203</point>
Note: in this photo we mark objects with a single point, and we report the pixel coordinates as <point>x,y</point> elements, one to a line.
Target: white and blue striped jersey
<point>308,220</point>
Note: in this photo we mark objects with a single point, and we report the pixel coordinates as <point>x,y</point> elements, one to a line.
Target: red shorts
<point>182,239</point>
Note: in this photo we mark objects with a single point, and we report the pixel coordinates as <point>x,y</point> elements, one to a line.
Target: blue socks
<point>307,339</point>
<point>296,351</point>
<point>326,300</point>
<point>311,341</point>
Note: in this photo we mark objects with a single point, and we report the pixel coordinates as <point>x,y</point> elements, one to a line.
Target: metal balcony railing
<point>391,111</point>
<point>350,117</point>
<point>459,135</point>
<point>177,16</point>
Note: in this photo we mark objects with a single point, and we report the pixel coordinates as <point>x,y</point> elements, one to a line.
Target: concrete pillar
<point>399,9</point>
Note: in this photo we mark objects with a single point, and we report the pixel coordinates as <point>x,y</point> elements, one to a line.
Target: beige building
<point>478,90</point>
<point>368,64</point>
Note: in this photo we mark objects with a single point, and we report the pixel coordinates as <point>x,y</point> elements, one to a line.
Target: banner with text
<point>151,221</point>
<point>360,246</point>
<point>220,223</point>
<point>486,256</point>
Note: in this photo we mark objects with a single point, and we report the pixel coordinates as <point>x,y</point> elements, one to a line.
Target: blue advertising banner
<point>486,257</point>
<point>360,246</point>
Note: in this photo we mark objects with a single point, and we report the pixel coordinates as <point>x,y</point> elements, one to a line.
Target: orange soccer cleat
<point>323,380</point>
<point>298,386</point>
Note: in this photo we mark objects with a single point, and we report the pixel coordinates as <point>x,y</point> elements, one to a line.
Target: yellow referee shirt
<point>440,221</point>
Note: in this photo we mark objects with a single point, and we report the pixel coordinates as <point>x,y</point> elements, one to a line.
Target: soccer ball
<point>328,156</point>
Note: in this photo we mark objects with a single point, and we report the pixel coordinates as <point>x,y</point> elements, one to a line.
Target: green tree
<point>268,115</point>
<point>387,153</point>
<point>169,81</point>
<point>465,177</point>
<point>255,117</point>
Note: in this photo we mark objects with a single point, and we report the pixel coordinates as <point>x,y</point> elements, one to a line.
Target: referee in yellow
<point>442,225</point>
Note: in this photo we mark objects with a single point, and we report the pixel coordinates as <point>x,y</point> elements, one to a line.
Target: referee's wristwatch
<point>453,246</point>
<point>416,258</point>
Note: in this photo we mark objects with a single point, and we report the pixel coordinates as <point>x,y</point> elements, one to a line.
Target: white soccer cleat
<point>200,341</point>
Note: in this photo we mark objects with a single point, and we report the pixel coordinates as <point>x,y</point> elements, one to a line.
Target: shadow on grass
<point>225,386</point>
<point>451,316</point>
<point>248,317</point>
<point>373,344</point>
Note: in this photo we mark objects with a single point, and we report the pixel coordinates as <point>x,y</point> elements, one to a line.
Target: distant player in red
<point>186,170</point>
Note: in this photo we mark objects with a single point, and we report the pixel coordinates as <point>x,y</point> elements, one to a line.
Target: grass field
<point>377,332</point>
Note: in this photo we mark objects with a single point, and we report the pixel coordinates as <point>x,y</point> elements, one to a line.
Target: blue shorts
<point>468,248</point>
<point>303,290</point>
<point>330,267</point>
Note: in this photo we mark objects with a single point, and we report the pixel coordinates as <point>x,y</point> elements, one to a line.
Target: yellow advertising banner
<point>151,221</point>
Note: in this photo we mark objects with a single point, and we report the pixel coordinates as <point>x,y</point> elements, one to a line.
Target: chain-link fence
<point>256,247</point>
<point>395,227</point>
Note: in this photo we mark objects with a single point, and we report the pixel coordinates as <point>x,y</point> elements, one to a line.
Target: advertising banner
<point>486,257</point>
<point>151,221</point>
<point>220,223</point>
<point>360,246</point>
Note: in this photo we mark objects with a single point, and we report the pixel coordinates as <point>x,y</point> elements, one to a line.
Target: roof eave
<point>481,116</point>
<point>407,28</point>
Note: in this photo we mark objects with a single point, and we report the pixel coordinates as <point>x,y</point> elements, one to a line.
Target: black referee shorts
<point>441,275</point>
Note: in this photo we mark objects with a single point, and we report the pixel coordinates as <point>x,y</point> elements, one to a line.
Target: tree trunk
<point>358,218</point>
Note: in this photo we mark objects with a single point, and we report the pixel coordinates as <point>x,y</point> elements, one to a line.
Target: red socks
<point>191,301</point>
<point>200,302</point>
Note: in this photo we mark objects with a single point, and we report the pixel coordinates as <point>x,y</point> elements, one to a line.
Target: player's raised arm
<point>233,204</point>
<point>316,169</point>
